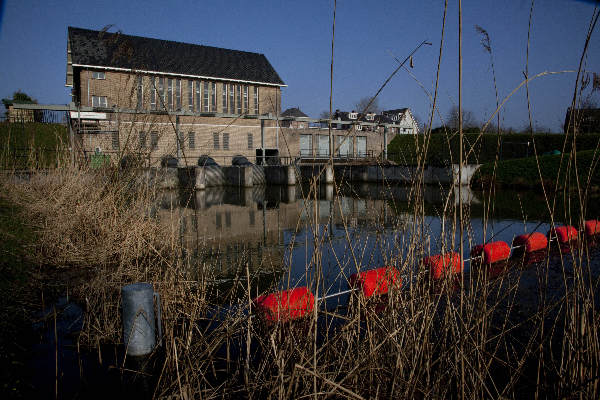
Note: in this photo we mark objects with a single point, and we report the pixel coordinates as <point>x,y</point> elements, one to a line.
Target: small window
<point>99,101</point>
<point>115,140</point>
<point>98,75</point>
<point>252,218</point>
<point>228,219</point>
<point>250,142</point>
<point>218,220</point>
<point>216,145</point>
<point>192,140</point>
<point>154,140</point>
<point>225,141</point>
<point>142,140</point>
<point>352,115</point>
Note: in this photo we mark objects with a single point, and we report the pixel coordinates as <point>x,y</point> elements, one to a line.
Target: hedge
<point>443,151</point>
<point>524,172</point>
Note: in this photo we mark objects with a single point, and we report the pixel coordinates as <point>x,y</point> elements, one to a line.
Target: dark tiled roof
<point>396,111</point>
<point>117,50</point>
<point>293,112</point>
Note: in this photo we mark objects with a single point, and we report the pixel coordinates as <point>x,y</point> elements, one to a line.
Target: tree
<point>469,121</point>
<point>361,105</point>
<point>19,98</point>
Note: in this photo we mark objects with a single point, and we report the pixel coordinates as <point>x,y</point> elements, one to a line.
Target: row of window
<point>220,141</point>
<point>166,94</point>
<point>343,144</point>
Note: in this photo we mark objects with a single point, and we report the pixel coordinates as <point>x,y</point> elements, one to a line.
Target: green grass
<point>32,144</point>
<point>481,149</point>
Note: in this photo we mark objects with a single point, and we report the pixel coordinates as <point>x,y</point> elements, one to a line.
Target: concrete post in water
<point>139,327</point>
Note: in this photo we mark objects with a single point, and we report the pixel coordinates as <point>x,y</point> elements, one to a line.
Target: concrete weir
<point>405,174</point>
<point>252,175</point>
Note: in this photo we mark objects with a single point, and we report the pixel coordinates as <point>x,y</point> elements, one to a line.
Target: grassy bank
<point>524,173</point>
<point>480,149</point>
<point>32,144</point>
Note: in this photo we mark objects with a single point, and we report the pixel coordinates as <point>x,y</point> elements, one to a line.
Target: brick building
<point>156,98</point>
<point>177,99</point>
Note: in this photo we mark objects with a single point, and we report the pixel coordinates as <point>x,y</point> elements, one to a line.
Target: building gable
<point>89,48</point>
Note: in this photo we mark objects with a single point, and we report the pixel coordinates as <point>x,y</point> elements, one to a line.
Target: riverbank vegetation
<point>32,144</point>
<point>443,149</point>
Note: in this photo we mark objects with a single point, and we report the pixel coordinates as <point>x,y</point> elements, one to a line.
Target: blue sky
<point>296,38</point>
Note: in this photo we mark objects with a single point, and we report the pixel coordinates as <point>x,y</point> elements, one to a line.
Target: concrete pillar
<point>328,174</point>
<point>262,141</point>
<point>139,326</point>
<point>290,174</point>
<point>200,183</point>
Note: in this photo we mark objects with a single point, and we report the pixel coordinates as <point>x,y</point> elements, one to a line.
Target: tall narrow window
<point>206,97</point>
<point>115,140</point>
<point>191,140</point>
<point>213,97</point>
<point>153,93</point>
<point>190,95</point>
<point>216,141</point>
<point>178,94</point>
<point>198,102</point>
<point>246,99</point>
<point>161,93</point>
<point>142,143</point>
<point>231,99</point>
<point>256,100</point>
<point>250,141</point>
<point>239,99</point>
<point>140,92</point>
<point>225,99</point>
<point>170,93</point>
<point>225,141</point>
<point>154,140</point>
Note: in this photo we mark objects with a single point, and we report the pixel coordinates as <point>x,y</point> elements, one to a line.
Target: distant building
<point>295,113</point>
<point>585,120</point>
<point>212,91</point>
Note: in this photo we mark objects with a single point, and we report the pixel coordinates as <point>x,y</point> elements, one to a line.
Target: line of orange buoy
<point>298,302</point>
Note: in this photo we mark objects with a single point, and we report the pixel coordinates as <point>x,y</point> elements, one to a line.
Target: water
<point>275,229</point>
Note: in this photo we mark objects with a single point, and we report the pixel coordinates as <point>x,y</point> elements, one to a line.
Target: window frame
<point>256,101</point>
<point>98,101</point>
<point>154,140</point>
<point>225,141</point>
<point>99,75</point>
<point>192,140</point>
<point>216,141</point>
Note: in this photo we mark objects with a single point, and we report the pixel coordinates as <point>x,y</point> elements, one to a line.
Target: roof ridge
<point>161,40</point>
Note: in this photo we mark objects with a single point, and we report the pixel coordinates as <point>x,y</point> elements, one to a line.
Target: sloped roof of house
<point>293,112</point>
<point>116,50</point>
<point>395,111</point>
